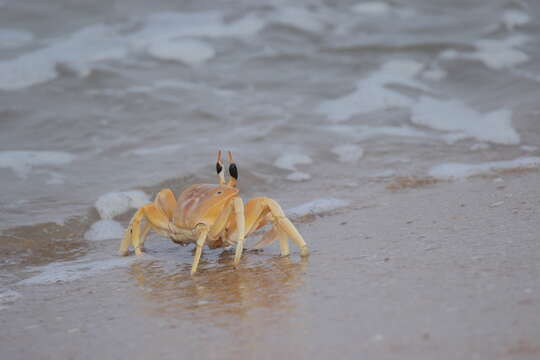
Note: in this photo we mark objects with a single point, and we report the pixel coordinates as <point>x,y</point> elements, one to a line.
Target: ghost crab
<point>214,215</point>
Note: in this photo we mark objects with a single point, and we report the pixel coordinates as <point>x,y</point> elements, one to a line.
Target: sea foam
<point>495,54</point>
<point>190,52</point>
<point>298,18</point>
<point>84,49</point>
<point>317,207</point>
<point>104,230</point>
<point>363,132</point>
<point>22,162</point>
<point>12,38</point>
<point>289,162</point>
<point>372,8</point>
<point>513,18</point>
<point>372,94</point>
<point>75,270</point>
<point>455,116</point>
<point>348,153</point>
<point>459,170</point>
<point>116,203</point>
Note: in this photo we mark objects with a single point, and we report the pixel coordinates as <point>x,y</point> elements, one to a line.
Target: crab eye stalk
<point>233,171</point>
<point>219,169</point>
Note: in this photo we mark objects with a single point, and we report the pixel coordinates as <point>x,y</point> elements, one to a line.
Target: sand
<point>445,270</point>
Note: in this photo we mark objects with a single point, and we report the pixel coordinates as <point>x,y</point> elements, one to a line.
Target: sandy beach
<point>447,271</point>
<point>401,137</point>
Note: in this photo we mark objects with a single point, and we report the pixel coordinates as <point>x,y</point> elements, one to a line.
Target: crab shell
<point>202,204</point>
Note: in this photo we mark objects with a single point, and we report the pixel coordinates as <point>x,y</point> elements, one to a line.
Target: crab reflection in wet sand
<point>266,284</point>
<point>214,215</point>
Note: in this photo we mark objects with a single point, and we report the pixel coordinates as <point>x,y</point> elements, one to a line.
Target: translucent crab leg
<point>154,216</point>
<point>200,243</point>
<point>285,226</point>
<point>241,228</point>
<point>131,233</point>
<point>144,233</point>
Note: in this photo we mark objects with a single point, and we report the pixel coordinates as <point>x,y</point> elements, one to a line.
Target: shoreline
<point>446,270</point>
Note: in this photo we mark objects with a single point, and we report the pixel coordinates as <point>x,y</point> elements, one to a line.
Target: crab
<point>212,215</point>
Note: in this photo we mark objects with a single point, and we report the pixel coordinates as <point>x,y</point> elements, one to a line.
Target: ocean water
<point>103,103</point>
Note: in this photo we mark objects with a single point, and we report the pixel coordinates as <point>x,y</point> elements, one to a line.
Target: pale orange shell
<point>194,203</point>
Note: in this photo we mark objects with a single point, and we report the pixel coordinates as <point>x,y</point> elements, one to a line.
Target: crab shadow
<point>220,292</point>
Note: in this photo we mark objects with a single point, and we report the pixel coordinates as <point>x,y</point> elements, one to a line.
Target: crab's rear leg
<point>157,215</point>
<point>260,211</point>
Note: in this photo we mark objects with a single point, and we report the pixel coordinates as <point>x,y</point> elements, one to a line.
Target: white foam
<point>299,18</point>
<point>372,94</point>
<point>496,54</point>
<point>21,162</point>
<point>453,115</point>
<point>77,51</point>
<point>160,150</point>
<point>12,38</point>
<point>104,230</point>
<point>383,173</point>
<point>298,176</point>
<point>479,146</point>
<point>8,297</point>
<point>171,25</point>
<point>371,8</point>
<point>187,51</point>
<point>513,18</point>
<point>318,206</point>
<point>348,153</point>
<point>75,270</point>
<point>116,203</point>
<point>434,74</point>
<point>289,161</point>
<point>458,170</point>
<point>85,48</point>
<point>362,132</point>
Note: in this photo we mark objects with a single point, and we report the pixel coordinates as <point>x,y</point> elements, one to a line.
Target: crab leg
<point>157,216</point>
<point>258,208</point>
<point>241,228</point>
<point>200,243</point>
<point>144,233</point>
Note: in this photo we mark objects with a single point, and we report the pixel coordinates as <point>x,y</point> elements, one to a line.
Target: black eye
<point>219,192</point>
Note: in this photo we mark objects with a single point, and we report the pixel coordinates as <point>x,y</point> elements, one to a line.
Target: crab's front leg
<point>240,226</point>
<point>203,233</point>
<point>157,215</point>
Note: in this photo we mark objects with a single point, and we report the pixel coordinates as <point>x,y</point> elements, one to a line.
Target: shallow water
<point>341,100</point>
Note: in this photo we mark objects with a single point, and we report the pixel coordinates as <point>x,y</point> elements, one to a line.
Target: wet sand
<point>439,271</point>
